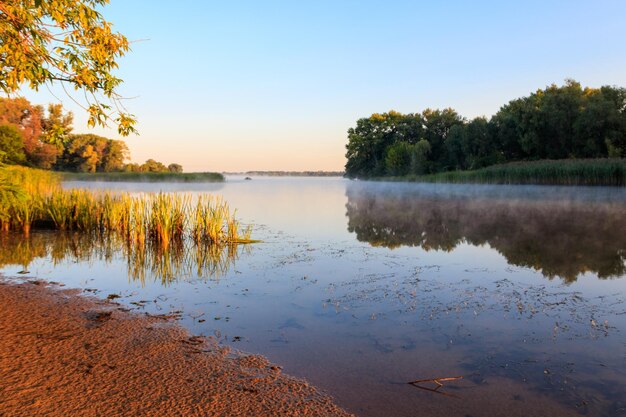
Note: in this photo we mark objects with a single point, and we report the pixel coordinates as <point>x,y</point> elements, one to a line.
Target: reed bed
<point>608,172</point>
<point>34,199</point>
<point>144,176</point>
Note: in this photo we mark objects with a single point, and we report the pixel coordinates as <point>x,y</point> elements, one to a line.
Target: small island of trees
<point>556,123</point>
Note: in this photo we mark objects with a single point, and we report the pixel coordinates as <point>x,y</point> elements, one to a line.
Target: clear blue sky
<point>239,85</point>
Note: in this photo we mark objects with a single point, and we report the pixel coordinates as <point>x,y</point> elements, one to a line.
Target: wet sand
<point>64,354</point>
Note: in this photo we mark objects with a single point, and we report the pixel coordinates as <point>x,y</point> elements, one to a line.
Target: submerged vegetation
<point>34,199</point>
<point>556,172</point>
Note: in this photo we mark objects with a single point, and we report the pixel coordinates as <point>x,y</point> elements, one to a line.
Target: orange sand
<point>66,355</point>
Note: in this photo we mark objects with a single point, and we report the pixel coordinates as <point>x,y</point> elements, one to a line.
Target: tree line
<point>557,122</point>
<point>42,138</point>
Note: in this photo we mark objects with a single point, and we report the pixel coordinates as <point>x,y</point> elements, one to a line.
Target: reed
<point>609,172</point>
<point>34,199</point>
<point>168,214</point>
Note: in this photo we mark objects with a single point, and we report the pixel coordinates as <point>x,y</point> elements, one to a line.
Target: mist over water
<point>362,287</point>
<point>561,231</point>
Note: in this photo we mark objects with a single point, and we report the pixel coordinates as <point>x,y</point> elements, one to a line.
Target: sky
<point>275,85</point>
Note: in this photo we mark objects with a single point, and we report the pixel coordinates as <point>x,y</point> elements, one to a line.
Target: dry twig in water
<point>436,381</point>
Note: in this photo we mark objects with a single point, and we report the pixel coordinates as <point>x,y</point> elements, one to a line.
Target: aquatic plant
<point>32,198</point>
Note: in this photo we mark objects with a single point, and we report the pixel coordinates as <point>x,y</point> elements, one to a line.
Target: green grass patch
<point>607,172</point>
<point>144,176</point>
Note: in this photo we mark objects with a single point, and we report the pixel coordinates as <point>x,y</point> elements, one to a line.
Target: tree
<point>67,42</point>
<point>81,152</point>
<point>44,156</point>
<point>420,157</point>
<point>56,126</point>
<point>132,167</point>
<point>175,168</point>
<point>398,159</point>
<point>481,147</point>
<point>456,147</point>
<point>369,140</point>
<point>26,117</point>
<point>115,153</point>
<point>153,166</point>
<point>601,123</point>
<point>11,145</point>
<point>90,159</point>
<point>437,126</point>
<point>85,150</point>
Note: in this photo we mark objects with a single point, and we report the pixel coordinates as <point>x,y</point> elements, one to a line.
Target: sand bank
<point>62,354</point>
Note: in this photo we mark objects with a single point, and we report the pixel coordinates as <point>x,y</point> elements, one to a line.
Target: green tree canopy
<point>399,157</point>
<point>554,123</point>
<point>65,41</point>
<point>11,145</point>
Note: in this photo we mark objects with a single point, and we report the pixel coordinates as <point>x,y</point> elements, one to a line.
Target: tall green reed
<point>34,199</point>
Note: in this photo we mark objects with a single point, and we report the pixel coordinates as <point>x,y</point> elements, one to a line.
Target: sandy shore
<point>62,354</point>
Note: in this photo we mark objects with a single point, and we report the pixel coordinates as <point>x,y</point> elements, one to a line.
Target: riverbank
<point>600,172</point>
<point>144,176</point>
<point>63,354</point>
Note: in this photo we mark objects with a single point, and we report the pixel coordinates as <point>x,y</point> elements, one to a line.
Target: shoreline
<point>599,172</point>
<point>64,353</point>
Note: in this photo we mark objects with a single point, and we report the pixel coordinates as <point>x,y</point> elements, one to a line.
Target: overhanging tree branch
<point>65,42</point>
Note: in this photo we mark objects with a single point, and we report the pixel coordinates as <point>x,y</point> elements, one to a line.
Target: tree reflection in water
<point>559,236</point>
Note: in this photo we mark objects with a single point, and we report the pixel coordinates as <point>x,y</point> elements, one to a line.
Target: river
<point>517,294</point>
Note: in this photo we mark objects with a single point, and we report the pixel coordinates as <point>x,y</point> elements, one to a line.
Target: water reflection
<point>561,237</point>
<point>182,259</point>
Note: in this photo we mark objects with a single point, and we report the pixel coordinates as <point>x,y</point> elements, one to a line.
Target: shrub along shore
<point>607,172</point>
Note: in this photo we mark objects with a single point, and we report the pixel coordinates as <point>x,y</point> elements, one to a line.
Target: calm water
<point>361,288</point>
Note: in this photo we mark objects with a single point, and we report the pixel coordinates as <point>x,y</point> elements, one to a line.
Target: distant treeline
<point>554,123</point>
<point>144,176</point>
<point>293,173</point>
<point>36,138</point>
